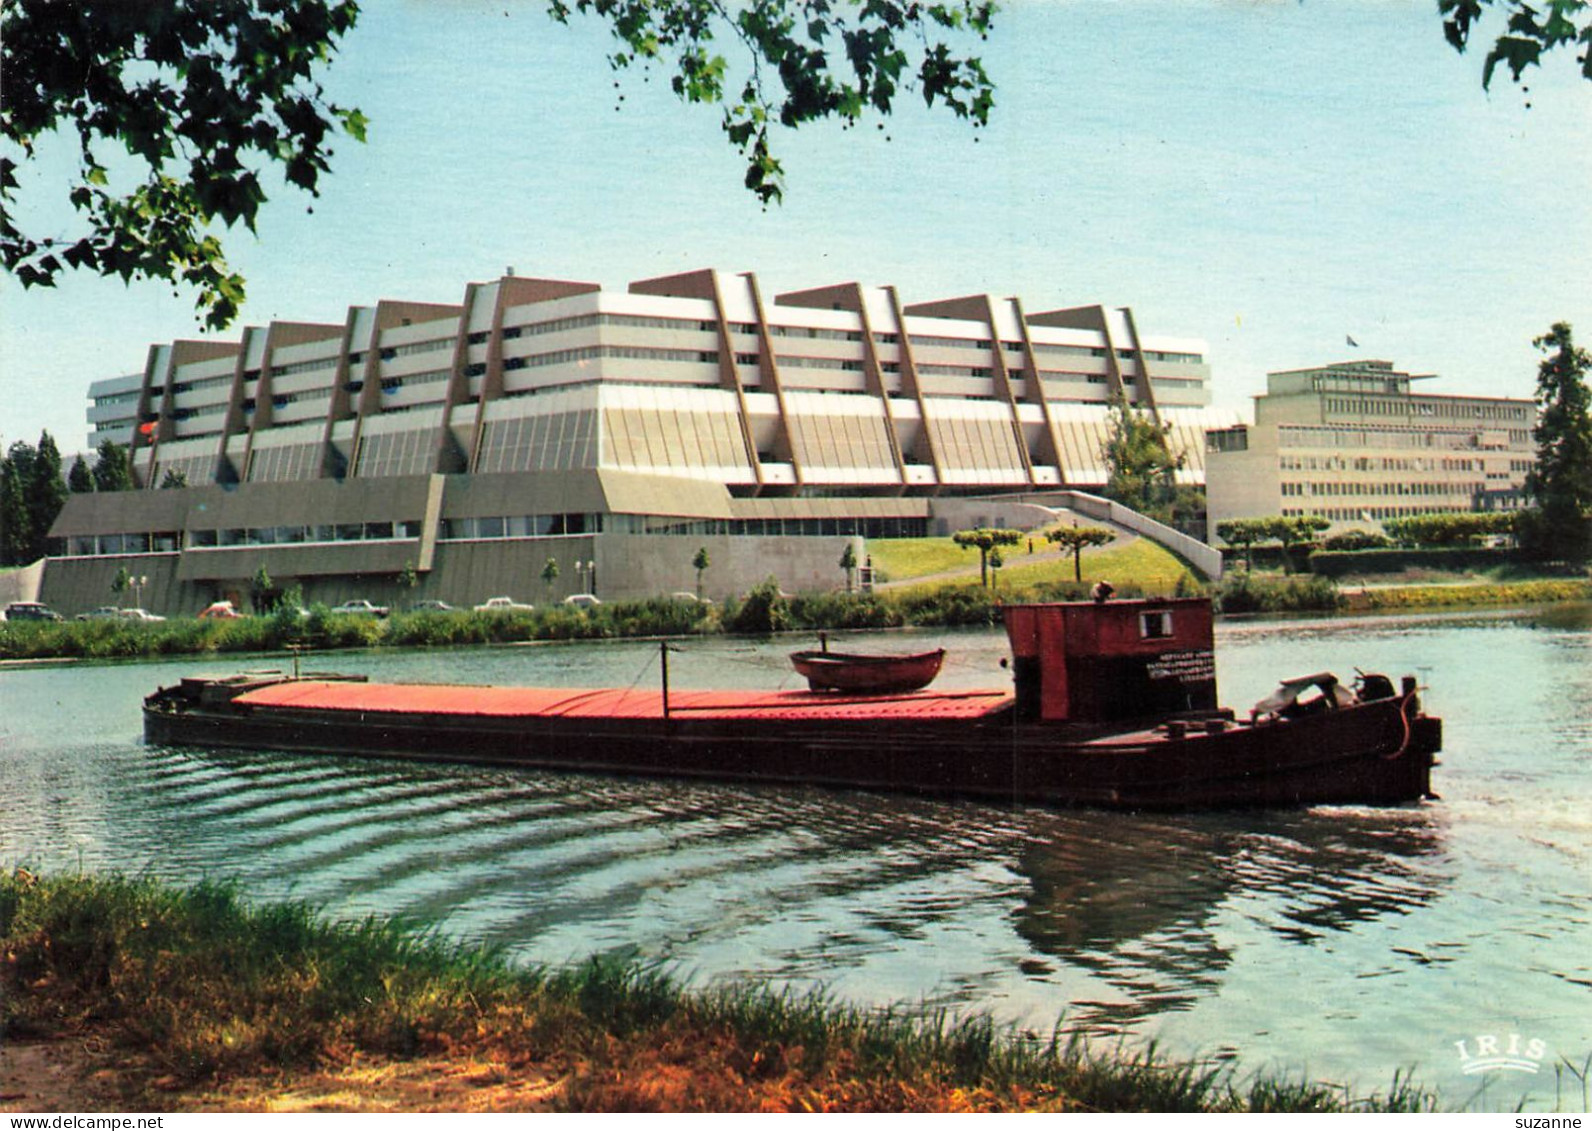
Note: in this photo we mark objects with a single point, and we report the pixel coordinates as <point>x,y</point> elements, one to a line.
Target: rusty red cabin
<point>1112,661</point>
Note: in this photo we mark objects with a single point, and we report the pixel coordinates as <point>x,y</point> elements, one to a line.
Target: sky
<point>1273,178</point>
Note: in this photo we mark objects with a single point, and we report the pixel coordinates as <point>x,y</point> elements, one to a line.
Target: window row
<point>295,535</point>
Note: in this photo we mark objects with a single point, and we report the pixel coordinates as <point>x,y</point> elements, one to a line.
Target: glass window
<point>1155,625</point>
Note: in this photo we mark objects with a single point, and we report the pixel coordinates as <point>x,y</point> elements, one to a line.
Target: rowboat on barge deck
<point>1114,705</point>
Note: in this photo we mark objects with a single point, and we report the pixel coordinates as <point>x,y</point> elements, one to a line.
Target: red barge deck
<point>1114,705</point>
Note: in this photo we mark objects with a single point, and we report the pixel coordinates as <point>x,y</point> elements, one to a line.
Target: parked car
<point>434,607</point>
<point>690,597</point>
<point>219,610</point>
<point>140,615</point>
<point>501,605</point>
<point>104,612</point>
<point>582,600</point>
<point>30,610</point>
<point>361,607</point>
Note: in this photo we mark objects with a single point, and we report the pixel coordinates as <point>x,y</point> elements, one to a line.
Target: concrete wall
<point>467,573</point>
<point>22,583</point>
<point>76,585</point>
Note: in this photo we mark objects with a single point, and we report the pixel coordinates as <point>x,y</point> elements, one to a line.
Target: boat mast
<point>663,653</point>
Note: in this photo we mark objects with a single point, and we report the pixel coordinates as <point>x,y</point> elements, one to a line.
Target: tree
<point>1141,469</point>
<point>202,95</point>
<point>700,562</point>
<point>1529,33</point>
<point>550,575</point>
<point>113,471</point>
<point>1295,530</point>
<point>1076,539</point>
<point>1244,533</point>
<point>261,591</point>
<point>46,495</point>
<point>848,562</point>
<point>121,583</point>
<point>15,528</point>
<point>408,580</point>
<point>80,480</point>
<point>1560,482</point>
<point>32,494</point>
<point>985,540</point>
<point>175,479</point>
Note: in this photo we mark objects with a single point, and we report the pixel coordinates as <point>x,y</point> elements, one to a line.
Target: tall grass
<point>1242,592</point>
<point>210,987</point>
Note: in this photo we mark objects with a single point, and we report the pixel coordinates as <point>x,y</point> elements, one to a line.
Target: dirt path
<point>82,1076</point>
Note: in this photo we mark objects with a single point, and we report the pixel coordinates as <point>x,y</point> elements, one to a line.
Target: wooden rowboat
<point>861,674</point>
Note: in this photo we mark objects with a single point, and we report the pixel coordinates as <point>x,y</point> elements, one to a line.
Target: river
<point>1341,943</point>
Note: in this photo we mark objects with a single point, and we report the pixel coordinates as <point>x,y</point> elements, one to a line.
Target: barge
<point>1113,704</point>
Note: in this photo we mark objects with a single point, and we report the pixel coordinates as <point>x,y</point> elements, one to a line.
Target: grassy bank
<point>192,990</point>
<point>1463,594</point>
<point>761,611</point>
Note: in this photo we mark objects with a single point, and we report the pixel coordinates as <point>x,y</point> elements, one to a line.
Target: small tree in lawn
<point>1243,533</point>
<point>1295,530</point>
<point>984,540</point>
<point>1075,539</point>
<point>700,562</point>
<point>848,562</point>
<point>996,563</point>
<point>549,575</point>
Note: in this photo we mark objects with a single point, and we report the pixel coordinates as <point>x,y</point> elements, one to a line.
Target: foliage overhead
<point>183,110</point>
<point>804,60</point>
<point>178,108</point>
<point>1530,31</point>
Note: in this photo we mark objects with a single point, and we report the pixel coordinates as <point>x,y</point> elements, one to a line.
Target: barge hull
<point>1378,752</point>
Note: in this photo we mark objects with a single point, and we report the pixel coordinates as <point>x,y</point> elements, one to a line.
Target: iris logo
<point>1489,1052</point>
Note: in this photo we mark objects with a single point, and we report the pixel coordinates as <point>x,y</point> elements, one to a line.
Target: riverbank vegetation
<point>192,994</point>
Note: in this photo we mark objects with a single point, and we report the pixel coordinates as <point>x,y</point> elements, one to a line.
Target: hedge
<point>1334,563</point>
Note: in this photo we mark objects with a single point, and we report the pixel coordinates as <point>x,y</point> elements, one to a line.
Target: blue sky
<point>1270,177</point>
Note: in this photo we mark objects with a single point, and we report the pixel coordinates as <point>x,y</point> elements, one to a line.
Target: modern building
<point>539,418</point>
<point>1354,443</point>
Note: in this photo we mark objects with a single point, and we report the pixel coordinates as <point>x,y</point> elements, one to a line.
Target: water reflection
<point>1134,899</point>
<point>1119,912</point>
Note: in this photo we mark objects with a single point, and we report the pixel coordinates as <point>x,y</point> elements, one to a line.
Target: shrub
<point>1352,540</point>
<point>762,611</point>
<point>1244,593</point>
<point>1328,563</point>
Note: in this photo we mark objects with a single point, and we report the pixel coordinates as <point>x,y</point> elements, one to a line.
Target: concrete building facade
<point>1354,442</point>
<point>542,418</point>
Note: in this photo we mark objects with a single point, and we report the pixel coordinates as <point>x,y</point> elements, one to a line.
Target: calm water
<point>1345,943</point>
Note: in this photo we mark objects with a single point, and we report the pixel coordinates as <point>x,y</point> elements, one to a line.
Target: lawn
<point>1151,567</point>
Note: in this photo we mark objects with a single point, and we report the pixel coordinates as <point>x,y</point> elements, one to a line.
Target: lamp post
<point>138,590</point>
<point>587,572</point>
